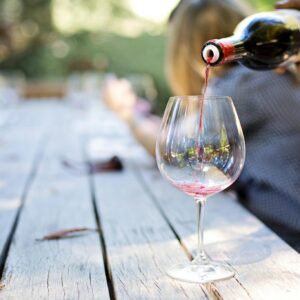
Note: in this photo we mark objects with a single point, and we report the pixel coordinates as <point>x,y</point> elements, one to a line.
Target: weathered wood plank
<point>140,245</point>
<point>20,144</point>
<point>266,267</point>
<point>136,209</point>
<point>58,199</point>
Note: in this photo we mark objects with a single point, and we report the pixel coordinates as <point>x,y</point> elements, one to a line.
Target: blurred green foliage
<point>263,4</point>
<point>47,53</point>
<point>144,54</point>
<point>124,55</point>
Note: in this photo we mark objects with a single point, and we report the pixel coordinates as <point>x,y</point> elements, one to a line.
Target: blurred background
<point>43,43</point>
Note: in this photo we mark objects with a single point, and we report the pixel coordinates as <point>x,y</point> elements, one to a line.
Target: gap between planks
<point>32,174</point>
<point>207,292</point>
<point>107,268</point>
<point>210,289</point>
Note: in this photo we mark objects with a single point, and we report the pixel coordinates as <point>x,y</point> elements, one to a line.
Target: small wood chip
<point>2,286</point>
<point>67,233</point>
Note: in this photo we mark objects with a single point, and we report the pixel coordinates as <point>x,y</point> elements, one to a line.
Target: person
<point>268,106</point>
<point>191,24</point>
<point>267,103</point>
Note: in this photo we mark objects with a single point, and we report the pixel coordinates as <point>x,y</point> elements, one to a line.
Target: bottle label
<point>232,49</point>
<point>228,50</point>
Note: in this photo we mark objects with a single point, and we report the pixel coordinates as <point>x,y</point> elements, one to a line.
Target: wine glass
<point>201,151</point>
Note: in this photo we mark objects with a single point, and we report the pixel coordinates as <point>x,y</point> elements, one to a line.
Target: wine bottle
<point>262,41</point>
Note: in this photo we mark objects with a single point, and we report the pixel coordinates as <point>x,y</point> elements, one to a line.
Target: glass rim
<point>200,97</point>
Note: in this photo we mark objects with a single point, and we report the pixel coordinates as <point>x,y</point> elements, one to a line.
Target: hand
<point>119,96</point>
<point>288,4</point>
<point>295,68</point>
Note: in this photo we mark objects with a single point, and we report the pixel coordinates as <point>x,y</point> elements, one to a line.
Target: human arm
<point>294,67</point>
<point>120,97</point>
<point>145,130</point>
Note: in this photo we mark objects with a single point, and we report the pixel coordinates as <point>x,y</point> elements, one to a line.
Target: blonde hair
<point>194,23</point>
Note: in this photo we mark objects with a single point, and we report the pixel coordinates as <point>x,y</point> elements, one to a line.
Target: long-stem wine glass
<point>201,151</point>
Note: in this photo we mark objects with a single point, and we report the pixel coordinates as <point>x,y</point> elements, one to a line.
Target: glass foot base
<point>204,272</point>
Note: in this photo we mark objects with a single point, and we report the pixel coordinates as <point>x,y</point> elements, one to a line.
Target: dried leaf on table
<point>67,233</point>
<point>92,167</point>
<point>113,164</point>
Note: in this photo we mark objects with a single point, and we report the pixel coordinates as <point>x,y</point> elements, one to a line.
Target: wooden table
<point>145,224</point>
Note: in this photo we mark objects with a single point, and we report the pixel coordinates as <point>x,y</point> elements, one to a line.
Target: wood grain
<point>20,146</point>
<point>140,245</point>
<point>58,199</point>
<point>145,224</point>
<point>266,267</point>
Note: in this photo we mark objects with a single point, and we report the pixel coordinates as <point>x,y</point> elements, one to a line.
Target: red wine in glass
<point>222,157</point>
<point>196,190</point>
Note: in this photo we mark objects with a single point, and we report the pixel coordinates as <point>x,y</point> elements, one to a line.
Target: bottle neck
<point>221,51</point>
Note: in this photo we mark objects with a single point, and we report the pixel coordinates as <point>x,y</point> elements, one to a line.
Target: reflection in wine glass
<point>201,151</point>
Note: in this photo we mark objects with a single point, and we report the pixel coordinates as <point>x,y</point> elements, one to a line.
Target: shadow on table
<point>240,251</point>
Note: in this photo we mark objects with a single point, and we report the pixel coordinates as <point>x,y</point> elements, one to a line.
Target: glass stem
<point>201,255</point>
